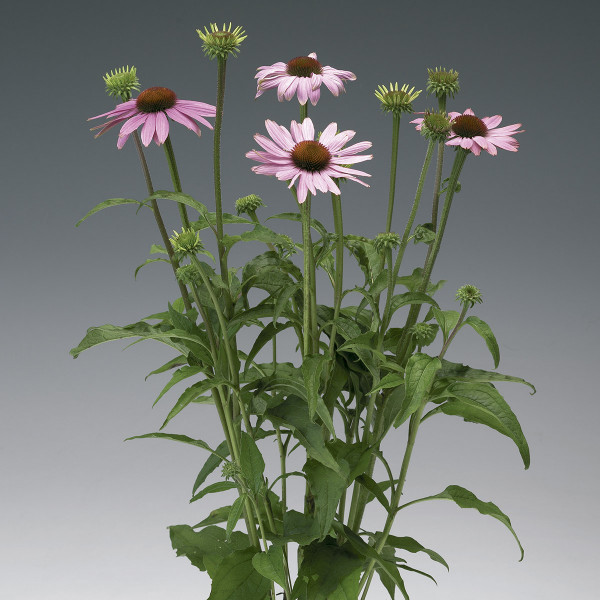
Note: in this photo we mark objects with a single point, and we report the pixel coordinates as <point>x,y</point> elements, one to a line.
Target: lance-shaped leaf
<point>372,486</point>
<point>147,262</point>
<point>418,378</point>
<point>234,514</point>
<point>268,332</point>
<point>466,499</point>
<point>270,565</point>
<point>214,488</point>
<point>181,198</point>
<point>410,298</point>
<point>289,216</point>
<point>236,578</point>
<point>411,545</point>
<point>175,437</point>
<point>447,320</point>
<point>108,204</point>
<point>251,463</point>
<point>482,403</point>
<point>462,372</point>
<point>179,375</point>
<point>312,367</point>
<point>484,330</point>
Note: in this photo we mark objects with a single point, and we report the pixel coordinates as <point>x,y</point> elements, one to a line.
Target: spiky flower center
<point>156,99</point>
<point>304,66</point>
<point>469,126</point>
<point>310,156</point>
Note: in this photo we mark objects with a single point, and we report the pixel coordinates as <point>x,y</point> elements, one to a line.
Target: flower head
<point>186,243</point>
<point>121,82</point>
<point>303,76</point>
<point>188,275</point>
<point>475,134</point>
<point>151,109</point>
<point>248,204</point>
<point>442,82</point>
<point>396,100</point>
<point>218,43</point>
<point>469,294</point>
<point>295,156</point>
<point>434,126</point>
<point>385,241</point>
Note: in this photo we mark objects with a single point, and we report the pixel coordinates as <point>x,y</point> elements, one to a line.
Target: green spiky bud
<point>121,82</point>
<point>285,244</point>
<point>424,233</point>
<point>385,241</point>
<point>396,100</point>
<point>186,243</point>
<point>188,275</point>
<point>218,43</point>
<point>436,126</point>
<point>469,294</point>
<point>423,333</point>
<point>442,83</point>
<point>230,470</point>
<point>248,204</point>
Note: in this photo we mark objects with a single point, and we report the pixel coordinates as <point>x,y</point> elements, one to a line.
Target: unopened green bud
<point>385,241</point>
<point>230,470</point>
<point>188,275</point>
<point>423,333</point>
<point>285,244</point>
<point>396,100</point>
<point>248,204</point>
<point>121,82</point>
<point>424,233</point>
<point>469,294</point>
<point>436,126</point>
<point>186,243</point>
<point>442,82</point>
<point>218,43</point>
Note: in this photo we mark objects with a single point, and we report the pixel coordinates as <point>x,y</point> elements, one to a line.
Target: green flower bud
<point>285,244</point>
<point>423,333</point>
<point>188,275</point>
<point>469,294</point>
<point>436,126</point>
<point>121,82</point>
<point>385,241</point>
<point>230,470</point>
<point>218,43</point>
<point>186,243</point>
<point>424,233</point>
<point>396,100</point>
<point>442,83</point>
<point>248,204</point>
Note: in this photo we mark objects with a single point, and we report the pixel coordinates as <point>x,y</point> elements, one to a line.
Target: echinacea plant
<point>362,372</point>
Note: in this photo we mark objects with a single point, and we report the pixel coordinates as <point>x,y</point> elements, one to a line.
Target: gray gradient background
<point>84,515</point>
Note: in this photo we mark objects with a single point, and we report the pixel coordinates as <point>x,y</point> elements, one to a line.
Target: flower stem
<point>307,247</point>
<point>168,146</point>
<point>461,318</point>
<point>339,267</point>
<point>159,221</point>
<point>413,314</point>
<point>221,71</point>
<point>303,111</point>
<point>393,168</point>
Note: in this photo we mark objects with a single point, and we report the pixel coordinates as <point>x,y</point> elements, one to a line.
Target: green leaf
<point>410,298</point>
<point>236,578</point>
<point>391,380</point>
<point>234,514</point>
<point>214,488</point>
<point>270,565</point>
<point>181,198</point>
<point>327,488</point>
<point>107,204</point>
<point>178,376</point>
<point>462,372</point>
<point>299,528</point>
<point>466,499</point>
<point>411,545</point>
<point>269,331</point>
<point>288,216</point>
<point>158,249</point>
<point>369,484</point>
<point>447,320</point>
<point>178,361</point>
<point>212,462</point>
<point>147,262</point>
<point>251,463</point>
<point>312,367</point>
<point>484,330</point>
<point>176,437</point>
<point>293,413</point>
<point>209,219</point>
<point>418,378</point>
<point>482,403</point>
<point>219,515</point>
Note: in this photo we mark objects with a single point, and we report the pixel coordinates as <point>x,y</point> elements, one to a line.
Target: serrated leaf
<point>482,403</point>
<point>108,204</point>
<point>484,330</point>
<point>270,565</point>
<point>466,499</point>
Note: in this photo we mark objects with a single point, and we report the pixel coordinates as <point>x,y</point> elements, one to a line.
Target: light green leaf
<point>251,463</point>
<point>107,204</point>
<point>391,380</point>
<point>482,403</point>
<point>466,499</point>
<point>270,565</point>
<point>484,330</point>
<point>214,488</point>
<point>147,262</point>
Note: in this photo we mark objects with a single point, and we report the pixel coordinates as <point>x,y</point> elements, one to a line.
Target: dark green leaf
<point>147,262</point>
<point>484,330</point>
<point>178,361</point>
<point>251,463</point>
<point>175,437</point>
<point>411,545</point>
<point>299,528</point>
<point>410,298</point>
<point>193,394</point>
<point>234,514</point>
<point>181,198</point>
<point>178,376</point>
<point>219,486</point>
<point>107,204</point>
<point>270,565</point>
<point>373,487</point>
<point>236,578</point>
<point>212,462</point>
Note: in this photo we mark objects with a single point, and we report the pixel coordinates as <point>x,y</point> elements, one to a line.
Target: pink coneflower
<point>475,134</point>
<point>294,156</point>
<point>303,75</point>
<point>151,109</point>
